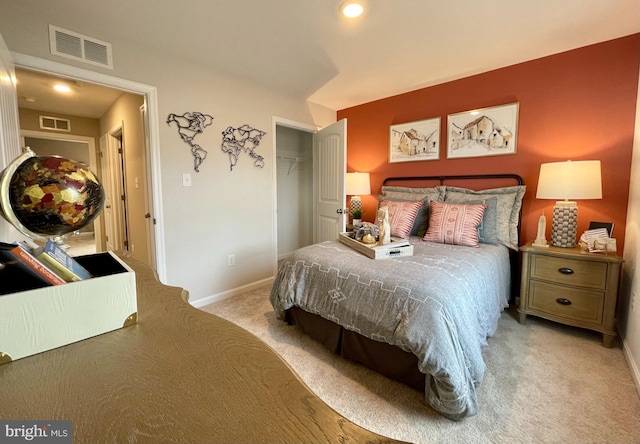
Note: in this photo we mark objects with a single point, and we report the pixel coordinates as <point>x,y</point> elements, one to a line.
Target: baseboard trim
<point>635,372</point>
<point>198,303</point>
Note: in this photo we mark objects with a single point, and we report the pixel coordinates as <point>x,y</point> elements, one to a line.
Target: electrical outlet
<point>231,260</point>
<point>633,301</point>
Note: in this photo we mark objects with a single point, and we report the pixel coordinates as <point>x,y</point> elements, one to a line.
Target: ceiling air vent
<point>79,47</point>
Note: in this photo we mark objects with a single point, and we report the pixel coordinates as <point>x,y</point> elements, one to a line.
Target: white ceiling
<point>84,99</point>
<point>306,49</point>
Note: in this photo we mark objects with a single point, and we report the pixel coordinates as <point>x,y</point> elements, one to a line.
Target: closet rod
<point>294,162</point>
<point>296,159</point>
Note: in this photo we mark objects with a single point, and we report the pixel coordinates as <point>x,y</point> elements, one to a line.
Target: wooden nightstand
<point>571,286</point>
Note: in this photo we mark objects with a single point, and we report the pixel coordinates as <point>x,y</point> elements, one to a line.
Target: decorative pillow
<point>401,216</point>
<point>421,222</point>
<point>455,224</point>
<point>409,194</point>
<point>507,213</point>
<point>414,194</point>
<point>487,230</point>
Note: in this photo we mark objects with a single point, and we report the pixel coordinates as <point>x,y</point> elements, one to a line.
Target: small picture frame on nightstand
<point>607,225</point>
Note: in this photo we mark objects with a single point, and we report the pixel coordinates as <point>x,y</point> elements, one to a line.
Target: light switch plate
<point>186,180</point>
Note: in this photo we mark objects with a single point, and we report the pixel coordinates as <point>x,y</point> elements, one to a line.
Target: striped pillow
<point>455,224</point>
<point>401,216</point>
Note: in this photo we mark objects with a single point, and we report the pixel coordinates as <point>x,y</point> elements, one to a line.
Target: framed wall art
<point>483,132</point>
<point>414,141</point>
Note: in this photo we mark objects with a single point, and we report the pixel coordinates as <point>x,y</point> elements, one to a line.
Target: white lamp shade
<point>570,180</point>
<point>358,184</point>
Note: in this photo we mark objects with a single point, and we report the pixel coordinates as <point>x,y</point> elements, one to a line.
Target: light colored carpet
<point>545,383</point>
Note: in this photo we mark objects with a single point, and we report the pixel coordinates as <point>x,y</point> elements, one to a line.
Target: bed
<point>420,319</point>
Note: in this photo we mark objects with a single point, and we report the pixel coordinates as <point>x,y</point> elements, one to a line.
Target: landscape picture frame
<point>415,141</point>
<point>483,132</point>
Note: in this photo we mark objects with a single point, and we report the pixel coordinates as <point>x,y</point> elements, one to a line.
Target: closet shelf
<point>294,162</point>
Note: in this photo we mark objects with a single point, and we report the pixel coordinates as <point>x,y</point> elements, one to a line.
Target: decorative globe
<point>49,196</point>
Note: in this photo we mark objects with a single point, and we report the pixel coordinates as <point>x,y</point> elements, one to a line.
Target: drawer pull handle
<point>565,270</point>
<point>563,301</point>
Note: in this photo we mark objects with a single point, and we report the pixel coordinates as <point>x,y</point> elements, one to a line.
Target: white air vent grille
<point>55,123</point>
<point>76,46</point>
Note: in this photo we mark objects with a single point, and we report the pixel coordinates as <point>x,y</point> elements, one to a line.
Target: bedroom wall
<point>575,105</point>
<point>629,298</point>
<point>223,212</point>
<point>125,113</point>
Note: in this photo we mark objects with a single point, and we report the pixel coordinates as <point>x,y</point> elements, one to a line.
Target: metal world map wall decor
<point>234,140</point>
<point>244,138</point>
<point>189,126</point>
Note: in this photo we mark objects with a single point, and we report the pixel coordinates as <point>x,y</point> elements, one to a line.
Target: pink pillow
<point>401,216</point>
<point>455,224</point>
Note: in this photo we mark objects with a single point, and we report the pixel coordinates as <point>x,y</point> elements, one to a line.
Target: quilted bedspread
<point>440,304</point>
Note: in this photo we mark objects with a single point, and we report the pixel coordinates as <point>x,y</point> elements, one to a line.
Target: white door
<point>329,172</point>
<point>108,192</point>
<point>114,197</point>
<point>9,127</point>
<point>149,213</point>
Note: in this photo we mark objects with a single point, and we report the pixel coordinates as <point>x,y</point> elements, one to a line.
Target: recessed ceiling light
<point>61,88</point>
<point>352,9</point>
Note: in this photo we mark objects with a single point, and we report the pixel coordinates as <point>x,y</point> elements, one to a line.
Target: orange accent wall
<point>577,105</point>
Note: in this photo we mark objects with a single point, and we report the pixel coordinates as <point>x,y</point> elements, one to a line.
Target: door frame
<point>275,122</point>
<point>150,95</point>
<point>10,127</point>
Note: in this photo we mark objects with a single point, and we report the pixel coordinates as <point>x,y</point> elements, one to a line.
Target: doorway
<point>310,172</point>
<point>151,141</point>
<point>294,161</point>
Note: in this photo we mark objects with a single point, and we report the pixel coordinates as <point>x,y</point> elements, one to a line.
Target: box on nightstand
<point>45,318</point>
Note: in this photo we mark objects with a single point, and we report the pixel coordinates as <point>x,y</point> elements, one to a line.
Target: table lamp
<point>357,184</point>
<point>568,181</point>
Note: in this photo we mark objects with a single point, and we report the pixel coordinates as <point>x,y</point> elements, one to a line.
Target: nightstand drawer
<point>569,271</point>
<point>572,303</point>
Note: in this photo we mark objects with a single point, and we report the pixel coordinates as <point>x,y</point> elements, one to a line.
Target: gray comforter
<point>440,304</point>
